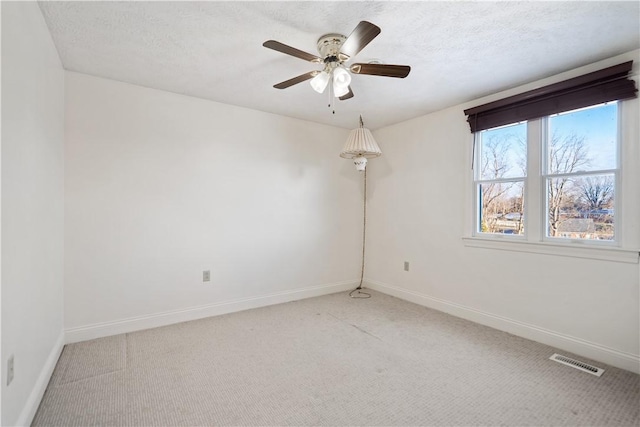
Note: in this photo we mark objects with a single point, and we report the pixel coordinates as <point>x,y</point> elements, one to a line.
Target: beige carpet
<point>330,360</point>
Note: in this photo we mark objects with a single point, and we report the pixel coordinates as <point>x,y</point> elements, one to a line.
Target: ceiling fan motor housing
<point>329,48</point>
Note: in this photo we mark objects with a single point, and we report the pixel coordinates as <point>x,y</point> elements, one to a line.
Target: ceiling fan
<point>335,50</point>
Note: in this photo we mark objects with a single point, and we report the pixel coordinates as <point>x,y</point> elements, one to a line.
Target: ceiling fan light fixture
<point>341,78</point>
<point>319,83</point>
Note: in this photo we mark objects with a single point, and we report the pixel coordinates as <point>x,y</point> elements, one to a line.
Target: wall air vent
<point>577,364</point>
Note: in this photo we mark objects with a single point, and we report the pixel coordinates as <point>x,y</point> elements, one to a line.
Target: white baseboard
<point>33,401</point>
<point>132,324</point>
<point>619,359</point>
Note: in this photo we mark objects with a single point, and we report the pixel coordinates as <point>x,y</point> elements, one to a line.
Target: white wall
<point>420,211</point>
<point>160,186</point>
<point>32,207</point>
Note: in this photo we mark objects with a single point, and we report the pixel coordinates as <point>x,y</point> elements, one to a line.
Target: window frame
<point>616,172</point>
<point>478,181</point>
<point>534,239</point>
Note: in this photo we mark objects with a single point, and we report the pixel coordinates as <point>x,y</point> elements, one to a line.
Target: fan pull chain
<point>331,100</point>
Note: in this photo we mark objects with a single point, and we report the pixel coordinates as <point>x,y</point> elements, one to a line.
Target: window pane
<point>503,152</point>
<point>583,140</point>
<point>581,207</point>
<point>501,207</point>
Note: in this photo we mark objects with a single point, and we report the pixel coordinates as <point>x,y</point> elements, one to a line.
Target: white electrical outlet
<point>10,370</point>
<point>206,276</point>
<point>406,266</point>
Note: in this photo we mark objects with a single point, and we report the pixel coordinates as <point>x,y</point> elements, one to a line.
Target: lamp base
<point>360,162</point>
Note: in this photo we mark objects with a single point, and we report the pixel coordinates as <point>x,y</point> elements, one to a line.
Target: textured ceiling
<point>458,51</point>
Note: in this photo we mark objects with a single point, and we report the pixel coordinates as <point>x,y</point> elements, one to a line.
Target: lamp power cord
<point>357,292</point>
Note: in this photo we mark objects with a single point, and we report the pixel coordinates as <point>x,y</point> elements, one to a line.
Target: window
<point>499,180</point>
<point>579,171</point>
<point>547,167</point>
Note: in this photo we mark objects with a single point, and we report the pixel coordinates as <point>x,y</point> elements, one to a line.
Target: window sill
<point>575,251</point>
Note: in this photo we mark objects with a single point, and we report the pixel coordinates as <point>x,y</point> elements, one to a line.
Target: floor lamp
<point>361,146</point>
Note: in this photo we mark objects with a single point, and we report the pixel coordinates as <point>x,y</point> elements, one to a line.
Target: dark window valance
<point>609,84</point>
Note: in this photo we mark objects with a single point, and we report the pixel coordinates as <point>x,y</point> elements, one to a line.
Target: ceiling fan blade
<point>281,47</point>
<point>294,81</point>
<point>347,96</point>
<point>399,71</point>
<point>359,38</point>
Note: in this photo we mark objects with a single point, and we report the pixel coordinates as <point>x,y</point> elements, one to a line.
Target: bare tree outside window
<point>596,192</point>
<point>566,155</point>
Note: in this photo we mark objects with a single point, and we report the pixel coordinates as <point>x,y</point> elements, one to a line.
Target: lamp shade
<point>361,144</point>
<point>341,79</point>
<point>319,82</point>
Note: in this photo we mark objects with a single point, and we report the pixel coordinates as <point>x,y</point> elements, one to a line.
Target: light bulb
<point>341,78</point>
<point>319,83</point>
